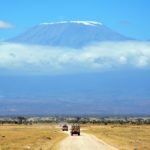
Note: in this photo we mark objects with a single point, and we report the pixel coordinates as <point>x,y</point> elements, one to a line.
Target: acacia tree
<point>21,120</point>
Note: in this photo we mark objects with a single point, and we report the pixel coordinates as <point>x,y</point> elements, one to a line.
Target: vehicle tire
<point>78,134</point>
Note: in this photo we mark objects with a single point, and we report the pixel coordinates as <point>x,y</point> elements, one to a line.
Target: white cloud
<point>49,60</point>
<point>4,25</point>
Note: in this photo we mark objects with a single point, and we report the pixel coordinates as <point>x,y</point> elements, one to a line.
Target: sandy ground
<point>84,142</point>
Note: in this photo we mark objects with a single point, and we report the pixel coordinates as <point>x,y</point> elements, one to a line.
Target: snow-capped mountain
<point>74,34</point>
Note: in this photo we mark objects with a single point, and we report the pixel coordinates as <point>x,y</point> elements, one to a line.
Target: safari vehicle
<point>75,129</point>
<point>64,127</point>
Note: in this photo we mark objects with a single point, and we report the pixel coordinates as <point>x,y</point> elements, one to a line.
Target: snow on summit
<point>90,23</point>
<point>87,22</point>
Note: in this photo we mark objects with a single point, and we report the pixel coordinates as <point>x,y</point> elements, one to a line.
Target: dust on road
<point>84,142</point>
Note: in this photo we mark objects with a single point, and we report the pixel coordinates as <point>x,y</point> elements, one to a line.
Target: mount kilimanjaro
<point>72,34</point>
<point>121,91</point>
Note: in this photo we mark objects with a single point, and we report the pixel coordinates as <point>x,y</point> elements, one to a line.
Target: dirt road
<point>84,142</point>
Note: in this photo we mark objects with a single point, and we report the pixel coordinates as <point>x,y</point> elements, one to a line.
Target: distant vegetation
<point>82,120</point>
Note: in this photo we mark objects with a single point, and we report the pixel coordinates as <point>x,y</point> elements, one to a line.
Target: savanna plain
<point>49,136</point>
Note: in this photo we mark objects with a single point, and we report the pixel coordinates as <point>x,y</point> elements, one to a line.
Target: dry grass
<point>34,137</point>
<point>123,137</point>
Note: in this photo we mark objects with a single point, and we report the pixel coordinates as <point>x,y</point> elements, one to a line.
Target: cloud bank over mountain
<point>32,59</point>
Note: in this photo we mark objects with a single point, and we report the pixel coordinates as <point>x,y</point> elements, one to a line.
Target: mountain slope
<point>115,93</point>
<point>74,34</point>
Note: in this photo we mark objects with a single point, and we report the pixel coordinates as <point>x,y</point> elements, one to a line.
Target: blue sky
<point>129,17</point>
